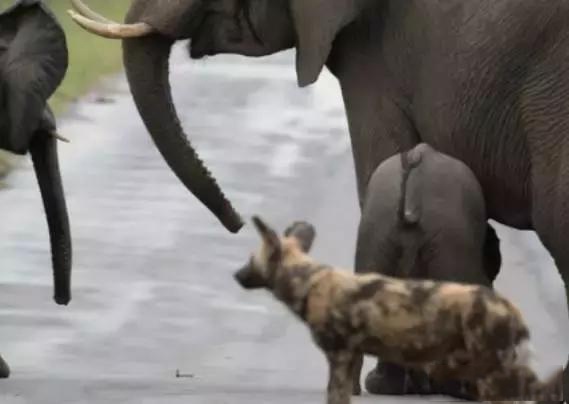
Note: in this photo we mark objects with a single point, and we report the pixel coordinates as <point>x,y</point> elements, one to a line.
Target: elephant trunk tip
<point>4,369</point>
<point>62,300</point>
<point>229,217</point>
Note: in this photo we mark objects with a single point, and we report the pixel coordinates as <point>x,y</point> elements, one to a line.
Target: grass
<point>90,57</point>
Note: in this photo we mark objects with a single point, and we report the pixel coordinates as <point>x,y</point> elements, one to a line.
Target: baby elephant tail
<point>409,204</point>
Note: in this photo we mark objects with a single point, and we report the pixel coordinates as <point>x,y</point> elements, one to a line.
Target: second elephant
<point>33,63</point>
<point>424,217</point>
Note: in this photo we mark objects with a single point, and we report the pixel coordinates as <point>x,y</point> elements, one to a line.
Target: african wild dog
<point>448,329</point>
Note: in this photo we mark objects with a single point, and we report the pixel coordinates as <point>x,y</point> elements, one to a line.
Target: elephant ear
<point>33,62</point>
<point>317,22</point>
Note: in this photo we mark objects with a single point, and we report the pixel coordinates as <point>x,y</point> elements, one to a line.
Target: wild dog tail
<point>409,203</point>
<point>552,388</point>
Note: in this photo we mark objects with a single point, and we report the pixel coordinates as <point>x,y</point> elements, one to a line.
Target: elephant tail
<point>410,199</point>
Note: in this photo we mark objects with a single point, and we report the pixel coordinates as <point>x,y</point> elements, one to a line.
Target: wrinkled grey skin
<point>424,217</point>
<point>33,62</point>
<point>484,81</point>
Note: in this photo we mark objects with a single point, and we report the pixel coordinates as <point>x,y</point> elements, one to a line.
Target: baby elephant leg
<point>391,379</point>
<point>356,373</point>
<point>340,377</point>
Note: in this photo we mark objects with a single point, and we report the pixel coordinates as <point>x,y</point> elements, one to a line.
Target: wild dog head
<point>261,269</point>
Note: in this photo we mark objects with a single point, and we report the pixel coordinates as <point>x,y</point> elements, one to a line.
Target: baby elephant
<point>446,329</point>
<point>423,213</point>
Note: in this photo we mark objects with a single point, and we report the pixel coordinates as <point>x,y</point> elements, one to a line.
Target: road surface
<point>153,290</point>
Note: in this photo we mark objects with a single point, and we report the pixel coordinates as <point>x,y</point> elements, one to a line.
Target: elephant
<point>483,81</point>
<point>33,63</point>
<point>424,217</point>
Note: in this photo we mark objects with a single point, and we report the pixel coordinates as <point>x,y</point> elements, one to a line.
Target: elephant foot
<point>4,369</point>
<point>390,379</point>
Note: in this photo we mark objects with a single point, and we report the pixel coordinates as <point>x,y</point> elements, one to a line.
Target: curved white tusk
<point>85,11</point>
<point>59,137</point>
<point>113,30</point>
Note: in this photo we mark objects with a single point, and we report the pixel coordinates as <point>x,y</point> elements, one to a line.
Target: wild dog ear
<point>304,232</point>
<point>269,236</point>
<point>317,22</point>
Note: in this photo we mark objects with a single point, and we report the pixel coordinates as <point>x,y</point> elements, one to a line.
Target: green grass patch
<point>90,57</point>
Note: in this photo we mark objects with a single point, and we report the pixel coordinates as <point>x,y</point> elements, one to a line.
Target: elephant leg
<point>4,369</point>
<point>550,217</point>
<point>356,373</point>
<point>561,259</point>
<point>492,255</point>
<point>391,379</point>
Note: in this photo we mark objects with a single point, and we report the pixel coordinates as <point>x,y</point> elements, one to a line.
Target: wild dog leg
<point>340,377</point>
<point>356,373</point>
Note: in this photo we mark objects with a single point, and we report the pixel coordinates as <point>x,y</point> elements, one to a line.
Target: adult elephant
<point>33,62</point>
<point>485,81</point>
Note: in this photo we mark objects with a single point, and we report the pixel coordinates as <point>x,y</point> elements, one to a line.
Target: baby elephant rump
<point>448,330</point>
<point>424,212</point>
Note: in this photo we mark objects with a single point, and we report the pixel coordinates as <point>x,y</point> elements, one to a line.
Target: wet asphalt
<point>153,291</point>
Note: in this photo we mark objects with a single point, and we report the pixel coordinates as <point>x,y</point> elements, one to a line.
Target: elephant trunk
<point>147,67</point>
<point>43,149</point>
<point>4,369</point>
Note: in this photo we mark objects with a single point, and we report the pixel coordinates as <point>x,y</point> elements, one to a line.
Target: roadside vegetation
<point>90,57</point>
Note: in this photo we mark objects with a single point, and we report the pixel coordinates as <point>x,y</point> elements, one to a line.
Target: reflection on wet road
<point>153,290</point>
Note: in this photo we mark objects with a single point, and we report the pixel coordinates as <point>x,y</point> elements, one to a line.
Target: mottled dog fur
<point>448,329</point>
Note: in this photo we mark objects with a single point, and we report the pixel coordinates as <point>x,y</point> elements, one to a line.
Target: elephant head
<point>246,27</point>
<point>33,62</point>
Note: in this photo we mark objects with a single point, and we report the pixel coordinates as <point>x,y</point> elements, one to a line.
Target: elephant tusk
<point>85,11</point>
<point>59,137</point>
<point>112,30</point>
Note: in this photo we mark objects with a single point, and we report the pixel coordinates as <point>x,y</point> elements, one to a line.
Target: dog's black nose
<point>241,277</point>
<point>248,278</point>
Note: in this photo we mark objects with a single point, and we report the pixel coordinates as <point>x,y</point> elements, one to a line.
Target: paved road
<point>152,284</point>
